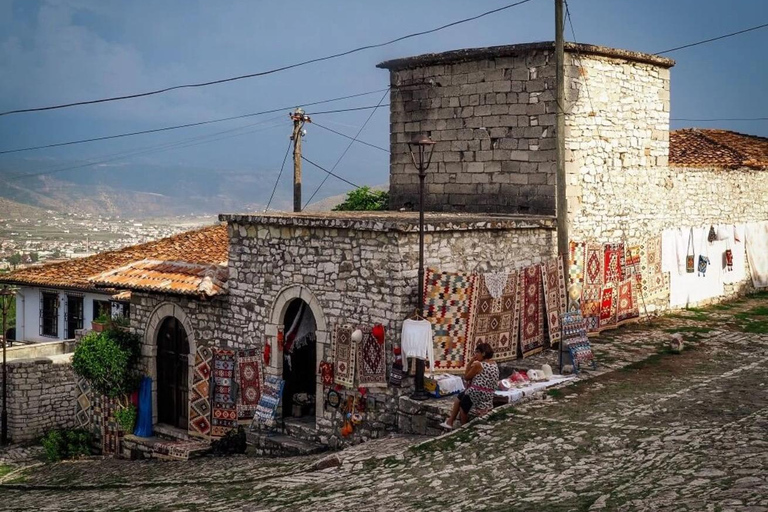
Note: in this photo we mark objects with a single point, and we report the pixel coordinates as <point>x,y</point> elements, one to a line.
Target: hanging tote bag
<point>703,259</point>
<point>689,257</point>
<point>728,256</point>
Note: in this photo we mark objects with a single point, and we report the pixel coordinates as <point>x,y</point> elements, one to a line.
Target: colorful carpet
<point>449,305</point>
<point>591,293</point>
<point>371,362</point>
<point>608,308</point>
<point>178,450</point>
<point>532,311</point>
<point>83,403</point>
<point>555,300</point>
<point>497,319</point>
<point>106,426</point>
<point>653,282</point>
<point>271,393</point>
<point>626,302</point>
<point>250,383</point>
<point>633,267</point>
<point>343,356</point>
<point>200,394</point>
<point>613,269</point>
<point>224,415</point>
<point>576,263</point>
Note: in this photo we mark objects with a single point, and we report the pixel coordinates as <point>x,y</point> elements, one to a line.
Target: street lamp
<point>421,148</point>
<point>5,293</point>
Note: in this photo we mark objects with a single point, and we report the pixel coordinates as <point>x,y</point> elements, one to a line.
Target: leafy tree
<point>34,257</point>
<point>15,259</point>
<point>109,360</point>
<point>364,199</point>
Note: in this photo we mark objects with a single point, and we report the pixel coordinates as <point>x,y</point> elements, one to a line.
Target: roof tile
<point>694,147</point>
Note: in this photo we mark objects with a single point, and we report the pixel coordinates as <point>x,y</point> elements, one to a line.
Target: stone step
<point>423,417</point>
<point>280,445</point>
<point>157,447</point>
<point>169,432</point>
<point>301,429</point>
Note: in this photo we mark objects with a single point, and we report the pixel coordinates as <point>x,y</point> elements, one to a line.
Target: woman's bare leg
<point>454,412</point>
<point>464,417</point>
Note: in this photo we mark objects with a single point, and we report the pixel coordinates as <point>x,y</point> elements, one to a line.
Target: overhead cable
<point>263,73</point>
<point>724,36</point>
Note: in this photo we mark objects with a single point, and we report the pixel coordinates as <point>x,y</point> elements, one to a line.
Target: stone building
<point>491,194</point>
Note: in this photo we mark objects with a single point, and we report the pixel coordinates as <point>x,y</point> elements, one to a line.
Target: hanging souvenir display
<point>712,236</point>
<point>377,331</point>
<point>333,398</point>
<point>326,373</point>
<point>690,266</point>
<point>728,256</point>
<point>371,362</point>
<point>343,356</point>
<point>496,318</point>
<point>703,261</point>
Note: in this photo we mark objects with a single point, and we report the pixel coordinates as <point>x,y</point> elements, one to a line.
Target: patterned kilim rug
<point>111,436</point>
<point>224,416</point>
<point>177,450</point>
<point>591,294</point>
<point>200,394</point>
<point>626,305</point>
<point>250,383</point>
<point>271,393</point>
<point>343,356</point>
<point>608,308</point>
<point>555,299</point>
<point>371,362</point>
<point>448,305</point>
<point>576,263</point>
<point>613,264</point>
<point>497,319</point>
<point>632,267</point>
<point>83,403</point>
<point>532,311</point>
<point>653,282</point>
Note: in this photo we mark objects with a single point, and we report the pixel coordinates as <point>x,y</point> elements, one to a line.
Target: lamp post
<point>421,147</point>
<point>5,293</point>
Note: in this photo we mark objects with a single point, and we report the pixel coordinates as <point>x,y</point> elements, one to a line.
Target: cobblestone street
<point>658,432</point>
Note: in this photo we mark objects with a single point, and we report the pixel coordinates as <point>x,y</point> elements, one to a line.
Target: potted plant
<point>101,322</point>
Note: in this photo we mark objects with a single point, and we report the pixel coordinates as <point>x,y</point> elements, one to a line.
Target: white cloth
<point>416,341</point>
<point>687,289</point>
<point>729,234</point>
<point>495,282</point>
<point>673,250</point>
<point>757,251</point>
<point>515,394</point>
<point>449,384</point>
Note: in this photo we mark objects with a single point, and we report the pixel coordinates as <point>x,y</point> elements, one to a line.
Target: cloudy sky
<point>58,51</point>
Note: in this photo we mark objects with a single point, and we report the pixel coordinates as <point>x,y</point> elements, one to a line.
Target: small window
<point>121,310</point>
<point>101,307</point>
<point>49,314</point>
<point>75,314</point>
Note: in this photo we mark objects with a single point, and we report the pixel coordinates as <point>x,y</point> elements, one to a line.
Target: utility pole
<point>561,201</point>
<point>5,294</point>
<point>561,205</point>
<point>299,118</point>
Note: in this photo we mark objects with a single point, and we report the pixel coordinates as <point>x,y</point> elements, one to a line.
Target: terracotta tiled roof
<point>694,147</point>
<point>206,246</point>
<point>176,277</point>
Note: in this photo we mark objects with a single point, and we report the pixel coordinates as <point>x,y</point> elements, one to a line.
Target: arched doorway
<point>172,373</point>
<point>299,360</point>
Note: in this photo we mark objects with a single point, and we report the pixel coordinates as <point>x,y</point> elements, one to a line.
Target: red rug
<point>613,263</point>
<point>250,384</point>
<point>532,307</point>
<point>497,319</point>
<point>608,308</point>
<point>627,307</point>
<point>343,356</point>
<point>553,277</point>
<point>371,362</point>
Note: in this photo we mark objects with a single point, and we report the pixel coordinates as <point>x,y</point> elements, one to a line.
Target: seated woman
<point>482,376</point>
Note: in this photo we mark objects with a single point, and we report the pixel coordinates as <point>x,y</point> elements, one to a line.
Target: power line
<point>348,137</point>
<point>188,125</point>
<point>764,25</point>
<point>268,72</point>
<point>151,149</point>
<point>346,149</point>
<point>288,150</point>
<point>349,109</point>
<point>330,173</point>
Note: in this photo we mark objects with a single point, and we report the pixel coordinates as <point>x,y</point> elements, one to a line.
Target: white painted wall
<point>28,312</point>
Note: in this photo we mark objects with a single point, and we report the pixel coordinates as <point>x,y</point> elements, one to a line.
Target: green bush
<point>109,361</point>
<point>126,418</point>
<point>364,199</point>
<point>67,444</point>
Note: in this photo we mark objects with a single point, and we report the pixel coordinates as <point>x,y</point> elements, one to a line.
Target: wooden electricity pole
<point>299,118</point>
<point>561,201</point>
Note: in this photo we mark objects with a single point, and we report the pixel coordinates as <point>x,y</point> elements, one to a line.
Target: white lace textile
<point>495,282</point>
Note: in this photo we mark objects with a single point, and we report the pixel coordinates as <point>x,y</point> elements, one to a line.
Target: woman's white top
<point>416,341</point>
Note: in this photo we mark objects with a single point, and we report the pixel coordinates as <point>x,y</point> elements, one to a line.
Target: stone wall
<point>41,396</point>
<point>620,184</point>
<point>492,114</point>
<point>359,270</point>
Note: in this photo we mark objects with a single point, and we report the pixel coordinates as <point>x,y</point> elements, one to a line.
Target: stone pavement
<point>666,432</point>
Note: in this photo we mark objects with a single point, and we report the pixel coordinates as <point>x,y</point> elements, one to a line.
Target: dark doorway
<point>172,366</point>
<point>75,314</point>
<point>299,365</point>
